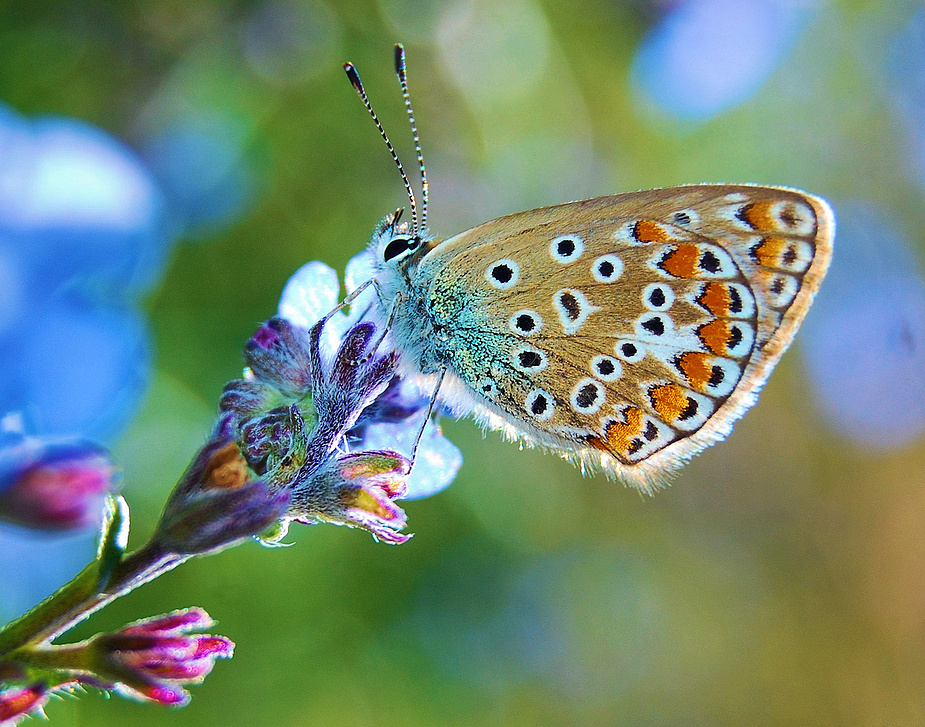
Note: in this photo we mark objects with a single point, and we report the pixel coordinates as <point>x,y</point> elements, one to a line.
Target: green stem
<point>81,597</point>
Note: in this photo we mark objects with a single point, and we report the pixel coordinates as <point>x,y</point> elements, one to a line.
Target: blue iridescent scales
<point>626,332</point>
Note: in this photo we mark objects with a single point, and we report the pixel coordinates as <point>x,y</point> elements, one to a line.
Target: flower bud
<point>55,485</point>
<point>18,702</point>
<point>216,503</point>
<point>356,490</point>
<point>155,658</point>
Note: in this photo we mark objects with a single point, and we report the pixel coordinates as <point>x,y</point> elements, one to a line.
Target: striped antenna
<point>402,73</point>
<point>358,86</point>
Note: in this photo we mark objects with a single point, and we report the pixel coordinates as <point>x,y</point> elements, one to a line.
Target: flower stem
<point>83,596</point>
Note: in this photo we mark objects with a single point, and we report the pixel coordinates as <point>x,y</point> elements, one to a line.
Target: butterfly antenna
<point>358,86</point>
<point>402,73</point>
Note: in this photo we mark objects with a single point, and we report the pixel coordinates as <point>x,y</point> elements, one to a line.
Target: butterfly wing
<point>629,331</point>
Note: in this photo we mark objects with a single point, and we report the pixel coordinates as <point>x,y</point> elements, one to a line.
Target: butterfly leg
<point>346,301</point>
<point>388,324</point>
<point>430,410</point>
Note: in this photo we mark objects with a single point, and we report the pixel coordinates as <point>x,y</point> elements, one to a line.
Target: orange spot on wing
<point>669,401</point>
<point>696,369</point>
<point>648,231</point>
<point>681,262</point>
<point>769,251</point>
<point>716,299</point>
<point>759,215</point>
<point>621,438</point>
<point>715,336</point>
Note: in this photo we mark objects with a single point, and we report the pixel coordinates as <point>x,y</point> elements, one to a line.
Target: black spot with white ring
<point>503,274</point>
<point>566,248</point>
<point>630,351</point>
<point>710,262</point>
<point>529,360</point>
<point>606,368</point>
<point>658,297</point>
<point>525,322</point>
<point>573,308</point>
<point>539,405</point>
<point>588,396</point>
<point>607,268</point>
<point>653,325</point>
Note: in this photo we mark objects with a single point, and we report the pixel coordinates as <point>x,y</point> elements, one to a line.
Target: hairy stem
<point>81,597</point>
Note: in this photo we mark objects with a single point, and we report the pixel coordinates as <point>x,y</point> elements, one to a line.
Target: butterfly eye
<point>398,246</point>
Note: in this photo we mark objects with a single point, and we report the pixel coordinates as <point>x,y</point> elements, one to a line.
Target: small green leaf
<point>113,538</point>
<point>273,536</point>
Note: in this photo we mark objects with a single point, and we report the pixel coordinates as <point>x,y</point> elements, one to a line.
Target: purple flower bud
<point>54,485</point>
<point>296,407</point>
<point>392,419</point>
<point>17,703</point>
<point>278,355</point>
<point>340,395</point>
<point>217,503</point>
<point>155,658</point>
<point>356,490</point>
<point>246,397</point>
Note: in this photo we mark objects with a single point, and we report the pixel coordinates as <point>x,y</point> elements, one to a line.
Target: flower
<point>54,485</point>
<point>153,659</point>
<point>706,56</point>
<point>357,490</point>
<point>17,703</point>
<point>318,381</point>
<point>292,412</point>
<point>83,234</point>
<point>905,83</point>
<point>864,339</point>
<point>217,502</point>
<point>394,419</point>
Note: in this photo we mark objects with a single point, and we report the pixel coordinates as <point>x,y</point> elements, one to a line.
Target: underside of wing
<point>630,332</point>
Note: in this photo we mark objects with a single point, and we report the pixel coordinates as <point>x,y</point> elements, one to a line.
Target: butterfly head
<point>394,243</point>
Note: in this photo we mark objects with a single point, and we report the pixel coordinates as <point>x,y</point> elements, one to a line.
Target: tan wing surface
<point>631,330</point>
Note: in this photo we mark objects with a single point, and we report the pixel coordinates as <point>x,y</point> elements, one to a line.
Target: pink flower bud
<point>18,702</point>
<point>357,490</point>
<point>155,658</point>
<point>55,486</point>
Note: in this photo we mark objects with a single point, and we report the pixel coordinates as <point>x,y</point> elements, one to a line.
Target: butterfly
<point>626,332</point>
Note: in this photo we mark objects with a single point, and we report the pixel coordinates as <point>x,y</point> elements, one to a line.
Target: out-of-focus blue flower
<point>76,368</point>
<point>199,159</point>
<point>83,233</point>
<point>77,209</point>
<point>706,56</point>
<point>393,421</point>
<point>864,338</point>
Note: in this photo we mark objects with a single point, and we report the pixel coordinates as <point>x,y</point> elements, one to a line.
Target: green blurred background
<point>780,580</point>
